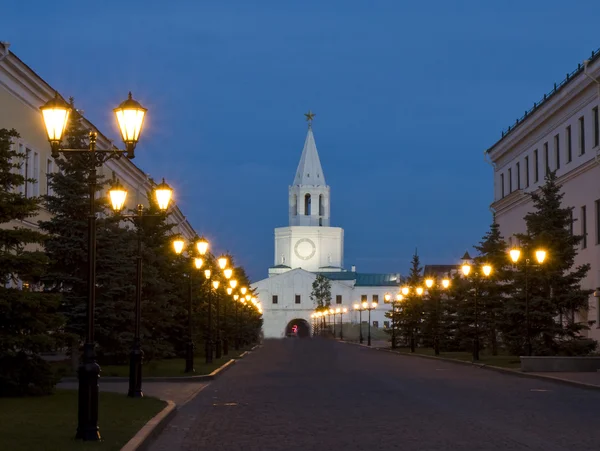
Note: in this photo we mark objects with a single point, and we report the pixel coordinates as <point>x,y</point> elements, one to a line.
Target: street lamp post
<point>388,299</point>
<point>202,248</point>
<point>359,309</point>
<point>429,283</point>
<point>232,285</point>
<point>369,307</point>
<point>332,315</point>
<point>486,270</point>
<point>130,117</point>
<point>341,311</point>
<point>540,256</point>
<point>243,291</point>
<point>208,345</point>
<point>222,261</point>
<point>118,194</point>
<point>227,272</point>
<point>419,292</point>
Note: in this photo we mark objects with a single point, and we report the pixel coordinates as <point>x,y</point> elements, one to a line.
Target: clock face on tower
<point>305,249</point>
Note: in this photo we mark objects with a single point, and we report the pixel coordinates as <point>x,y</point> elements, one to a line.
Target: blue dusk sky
<point>407,97</point>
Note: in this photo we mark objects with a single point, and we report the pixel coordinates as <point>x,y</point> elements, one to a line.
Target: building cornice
<point>543,113</point>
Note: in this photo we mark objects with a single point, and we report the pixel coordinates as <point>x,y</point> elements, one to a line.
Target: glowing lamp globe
<point>178,245</point>
<point>540,256</point>
<point>117,195</point>
<point>163,194</point>
<point>130,117</point>
<point>55,113</point>
<point>202,246</point>
<point>515,255</point>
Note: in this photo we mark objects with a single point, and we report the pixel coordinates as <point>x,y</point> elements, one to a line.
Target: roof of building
<point>281,266</point>
<point>365,279</point>
<point>439,269</point>
<point>309,170</point>
<point>536,105</point>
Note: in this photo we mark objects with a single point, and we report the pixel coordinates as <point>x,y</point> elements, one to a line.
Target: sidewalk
<point>581,379</point>
<point>178,392</point>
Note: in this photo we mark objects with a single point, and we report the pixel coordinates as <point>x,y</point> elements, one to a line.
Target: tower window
<point>321,206</point>
<point>307,205</point>
<point>275,299</point>
<point>338,298</point>
<point>298,299</point>
<point>295,205</point>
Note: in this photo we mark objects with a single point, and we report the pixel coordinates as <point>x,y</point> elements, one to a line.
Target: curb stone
<point>142,439</point>
<point>198,378</point>
<point>498,369</point>
<point>151,429</point>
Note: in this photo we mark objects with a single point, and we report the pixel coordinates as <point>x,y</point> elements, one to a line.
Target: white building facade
<point>310,246</point>
<point>562,133</point>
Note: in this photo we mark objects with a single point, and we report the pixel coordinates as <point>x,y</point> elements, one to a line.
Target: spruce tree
<point>493,290</point>
<point>68,252</point>
<point>412,305</point>
<point>555,293</point>
<point>29,318</point>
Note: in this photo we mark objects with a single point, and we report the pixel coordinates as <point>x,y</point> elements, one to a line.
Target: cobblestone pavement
<point>317,394</point>
<point>178,392</point>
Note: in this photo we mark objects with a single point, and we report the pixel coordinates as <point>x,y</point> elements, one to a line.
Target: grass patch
<point>49,422</point>
<point>502,360</point>
<point>155,368</point>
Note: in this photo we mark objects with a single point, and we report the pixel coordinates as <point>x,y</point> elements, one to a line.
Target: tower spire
<point>309,170</point>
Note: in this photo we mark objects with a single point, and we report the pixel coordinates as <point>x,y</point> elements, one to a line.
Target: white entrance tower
<point>309,242</point>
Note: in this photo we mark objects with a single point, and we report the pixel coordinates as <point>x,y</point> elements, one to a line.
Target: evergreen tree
<point>29,318</point>
<point>321,292</point>
<point>555,292</point>
<point>68,252</point>
<point>412,305</point>
<point>493,290</point>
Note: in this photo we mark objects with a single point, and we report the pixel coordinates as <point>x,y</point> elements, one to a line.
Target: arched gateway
<point>297,327</point>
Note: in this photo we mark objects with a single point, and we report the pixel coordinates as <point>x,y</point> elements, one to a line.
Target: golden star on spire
<point>309,117</point>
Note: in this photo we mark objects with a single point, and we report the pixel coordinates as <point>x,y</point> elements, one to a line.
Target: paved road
<point>322,395</point>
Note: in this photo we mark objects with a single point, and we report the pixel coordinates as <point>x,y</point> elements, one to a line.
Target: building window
<point>386,324</point>
<point>596,130</point>
<point>536,166</point>
<point>518,175</point>
<point>557,151</point>
<point>36,174</point>
<point>375,298</point>
<point>597,204</point>
<point>581,135</point>
<point>27,173</point>
<point>375,323</point>
<point>363,298</point>
<point>546,160</point>
<point>571,222</point>
<point>298,299</point>
<point>527,172</point>
<point>569,145</point>
<point>509,180</point>
<point>502,183</point>
<point>49,170</point>
<point>583,227</point>
<point>275,299</point>
<point>338,298</point>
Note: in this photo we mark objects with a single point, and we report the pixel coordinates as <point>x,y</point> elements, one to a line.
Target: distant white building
<point>309,246</point>
<point>562,133</point>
